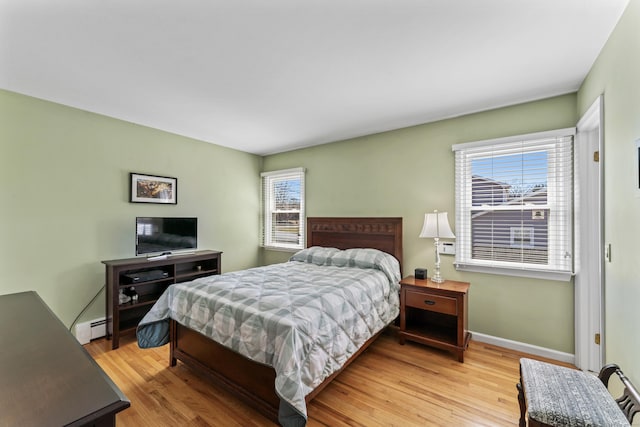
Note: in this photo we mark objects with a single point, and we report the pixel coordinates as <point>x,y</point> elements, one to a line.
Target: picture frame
<point>153,189</point>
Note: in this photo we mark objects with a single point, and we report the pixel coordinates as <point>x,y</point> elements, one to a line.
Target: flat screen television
<point>155,235</point>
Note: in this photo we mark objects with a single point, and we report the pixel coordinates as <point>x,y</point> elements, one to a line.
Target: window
<point>283,209</point>
<point>514,205</point>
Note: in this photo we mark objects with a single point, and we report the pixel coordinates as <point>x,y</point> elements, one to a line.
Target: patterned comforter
<point>304,318</point>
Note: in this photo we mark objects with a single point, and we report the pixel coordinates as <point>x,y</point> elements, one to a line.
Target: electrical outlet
<point>447,248</point>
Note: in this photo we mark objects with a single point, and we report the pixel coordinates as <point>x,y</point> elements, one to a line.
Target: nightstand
<point>434,314</point>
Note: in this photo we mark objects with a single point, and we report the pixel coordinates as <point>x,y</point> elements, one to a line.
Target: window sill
<point>518,272</point>
<point>281,249</point>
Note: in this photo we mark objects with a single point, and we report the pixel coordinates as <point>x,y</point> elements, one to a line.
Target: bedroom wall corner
<point>65,206</point>
<point>410,171</point>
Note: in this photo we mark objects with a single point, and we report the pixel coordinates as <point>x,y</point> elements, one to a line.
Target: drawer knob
<point>429,302</point>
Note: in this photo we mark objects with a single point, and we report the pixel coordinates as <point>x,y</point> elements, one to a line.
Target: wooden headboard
<point>384,234</point>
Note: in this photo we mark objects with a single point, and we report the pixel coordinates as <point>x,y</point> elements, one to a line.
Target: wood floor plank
<point>388,385</point>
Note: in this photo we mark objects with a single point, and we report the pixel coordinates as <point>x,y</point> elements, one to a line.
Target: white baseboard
<point>524,347</point>
<point>87,331</point>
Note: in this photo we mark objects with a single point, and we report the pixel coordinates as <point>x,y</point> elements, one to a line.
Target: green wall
<point>64,198</point>
<point>65,188</point>
<point>410,171</point>
<point>616,74</point>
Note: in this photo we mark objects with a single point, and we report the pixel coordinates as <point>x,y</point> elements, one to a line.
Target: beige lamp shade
<point>436,225</point>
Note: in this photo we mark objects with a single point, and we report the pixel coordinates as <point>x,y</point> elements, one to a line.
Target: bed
<point>251,376</point>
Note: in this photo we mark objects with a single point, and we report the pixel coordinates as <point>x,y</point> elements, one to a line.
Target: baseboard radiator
<point>87,331</point>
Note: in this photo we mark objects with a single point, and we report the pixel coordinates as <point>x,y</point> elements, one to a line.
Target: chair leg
<point>523,407</point>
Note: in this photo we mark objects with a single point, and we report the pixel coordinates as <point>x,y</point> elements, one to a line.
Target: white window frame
<point>560,266</point>
<point>268,179</point>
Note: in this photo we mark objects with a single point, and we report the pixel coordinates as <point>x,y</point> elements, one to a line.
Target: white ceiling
<point>270,76</point>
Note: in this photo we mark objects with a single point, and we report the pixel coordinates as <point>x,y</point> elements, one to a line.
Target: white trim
<point>269,207</point>
<point>592,117</point>
<point>292,171</point>
<point>281,249</point>
<point>524,347</point>
<point>561,276</point>
<point>558,133</point>
<point>589,281</point>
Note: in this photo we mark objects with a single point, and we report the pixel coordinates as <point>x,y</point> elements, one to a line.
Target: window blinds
<point>514,205</point>
<point>283,210</point>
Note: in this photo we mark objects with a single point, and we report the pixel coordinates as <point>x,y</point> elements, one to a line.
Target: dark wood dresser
<point>46,377</point>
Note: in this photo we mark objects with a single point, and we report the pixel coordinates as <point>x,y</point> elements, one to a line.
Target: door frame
<point>589,261</point>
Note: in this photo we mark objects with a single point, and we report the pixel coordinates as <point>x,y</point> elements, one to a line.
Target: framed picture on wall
<point>153,189</point>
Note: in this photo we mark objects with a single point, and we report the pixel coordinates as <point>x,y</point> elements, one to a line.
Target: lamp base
<point>437,279</point>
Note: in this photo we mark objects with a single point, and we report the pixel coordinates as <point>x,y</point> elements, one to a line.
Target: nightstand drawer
<point>430,302</point>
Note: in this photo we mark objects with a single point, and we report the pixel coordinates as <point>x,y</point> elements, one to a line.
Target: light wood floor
<point>388,385</point>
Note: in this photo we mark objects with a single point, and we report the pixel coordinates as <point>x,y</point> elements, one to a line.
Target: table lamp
<point>436,226</point>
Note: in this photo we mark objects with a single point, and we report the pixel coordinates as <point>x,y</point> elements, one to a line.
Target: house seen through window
<point>506,191</point>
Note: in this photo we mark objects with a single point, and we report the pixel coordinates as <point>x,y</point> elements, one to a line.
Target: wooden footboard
<point>251,381</point>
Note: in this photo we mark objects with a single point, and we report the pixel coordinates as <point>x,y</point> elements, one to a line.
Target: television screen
<point>158,235</point>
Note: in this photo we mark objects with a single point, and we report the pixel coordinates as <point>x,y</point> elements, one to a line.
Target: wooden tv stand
<point>121,274</point>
